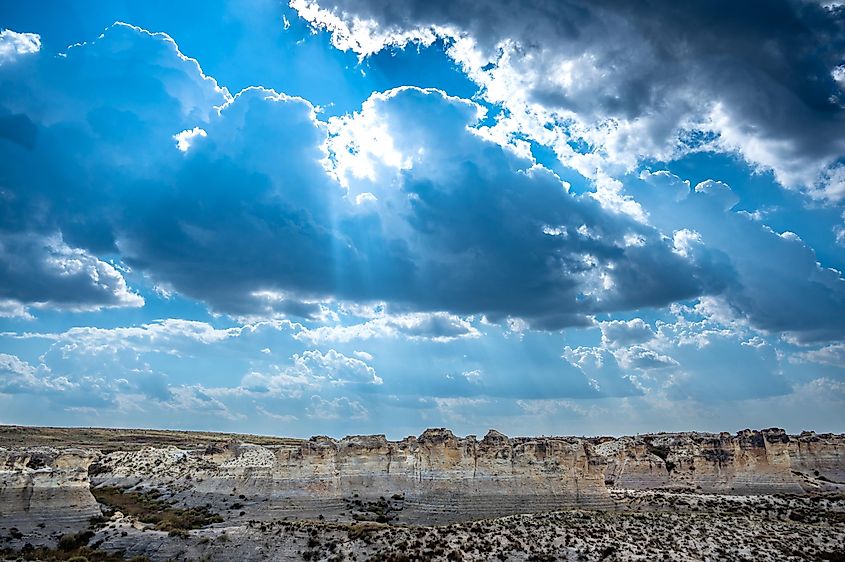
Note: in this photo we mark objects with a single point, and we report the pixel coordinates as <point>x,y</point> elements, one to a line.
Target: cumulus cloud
<point>617,333</point>
<point>458,223</point>
<point>14,44</point>
<point>334,367</point>
<point>18,377</point>
<point>641,357</point>
<point>10,308</point>
<point>314,370</point>
<point>436,326</point>
<point>168,367</point>
<point>195,398</point>
<point>167,335</point>
<point>489,230</point>
<point>337,408</point>
<point>186,138</point>
<point>44,271</point>
<point>772,280</point>
<point>694,357</point>
<point>607,84</point>
<point>602,370</point>
<point>833,355</point>
<point>255,206</point>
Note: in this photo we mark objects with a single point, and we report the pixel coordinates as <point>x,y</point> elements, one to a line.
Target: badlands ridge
<point>47,476</point>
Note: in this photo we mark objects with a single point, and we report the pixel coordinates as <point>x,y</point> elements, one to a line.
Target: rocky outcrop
<point>438,476</point>
<point>750,462</point>
<point>45,486</point>
<point>435,477</point>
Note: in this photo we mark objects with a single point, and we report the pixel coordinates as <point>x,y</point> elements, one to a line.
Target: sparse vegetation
<point>80,553</point>
<point>149,507</point>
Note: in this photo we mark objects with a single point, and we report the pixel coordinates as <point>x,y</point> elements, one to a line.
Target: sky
<point>351,217</point>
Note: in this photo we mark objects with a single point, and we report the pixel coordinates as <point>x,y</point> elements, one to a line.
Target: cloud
<point>197,399</point>
<point>473,376</point>
<point>166,336</point>
<point>150,360</point>
<point>314,370</point>
<point>14,44</point>
<point>10,308</point>
<point>274,416</point>
<point>695,357</point>
<point>488,230</point>
<point>618,333</point>
<point>259,216</point>
<point>334,367</point>
<point>436,326</point>
<point>18,377</point>
<point>641,357</point>
<point>772,280</point>
<point>833,355</point>
<point>411,202</point>
<point>608,84</point>
<point>172,366</point>
<point>602,370</point>
<point>337,408</point>
<point>718,363</point>
<point>186,138</point>
<point>46,272</point>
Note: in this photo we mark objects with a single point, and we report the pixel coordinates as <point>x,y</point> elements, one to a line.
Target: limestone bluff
<point>434,478</point>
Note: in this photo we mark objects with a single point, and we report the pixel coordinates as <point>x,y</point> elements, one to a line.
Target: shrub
<point>75,541</point>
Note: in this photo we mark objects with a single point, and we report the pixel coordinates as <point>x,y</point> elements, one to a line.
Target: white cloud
<point>13,309</point>
<point>45,272</point>
<point>337,408</point>
<point>833,355</point>
<point>619,333</point>
<point>772,280</point>
<point>641,357</point>
<point>14,44</point>
<point>166,335</point>
<point>473,376</point>
<point>311,370</point>
<point>186,138</point>
<point>363,355</point>
<point>198,399</point>
<point>434,326</point>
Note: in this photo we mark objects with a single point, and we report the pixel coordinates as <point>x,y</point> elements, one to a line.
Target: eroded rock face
<point>436,477</point>
<point>750,462</point>
<point>46,486</point>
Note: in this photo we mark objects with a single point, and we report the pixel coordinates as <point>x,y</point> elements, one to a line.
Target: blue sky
<point>366,217</point>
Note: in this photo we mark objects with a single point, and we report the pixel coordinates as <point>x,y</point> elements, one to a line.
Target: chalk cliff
<point>435,477</point>
<point>46,486</point>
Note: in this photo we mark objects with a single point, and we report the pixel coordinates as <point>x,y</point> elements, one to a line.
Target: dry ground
<point>651,526</point>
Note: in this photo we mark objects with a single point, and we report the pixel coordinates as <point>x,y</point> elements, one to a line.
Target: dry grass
<point>12,436</point>
<point>148,507</point>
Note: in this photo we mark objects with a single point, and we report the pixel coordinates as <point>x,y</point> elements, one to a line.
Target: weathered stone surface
<point>436,477</point>
<point>45,486</point>
<point>750,462</point>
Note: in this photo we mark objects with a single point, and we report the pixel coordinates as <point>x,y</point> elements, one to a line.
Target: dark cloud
<point>255,206</point>
<point>757,77</point>
<point>243,205</point>
<point>36,270</point>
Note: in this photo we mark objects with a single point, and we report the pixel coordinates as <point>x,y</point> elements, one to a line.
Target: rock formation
<point>436,477</point>
<point>46,486</point>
